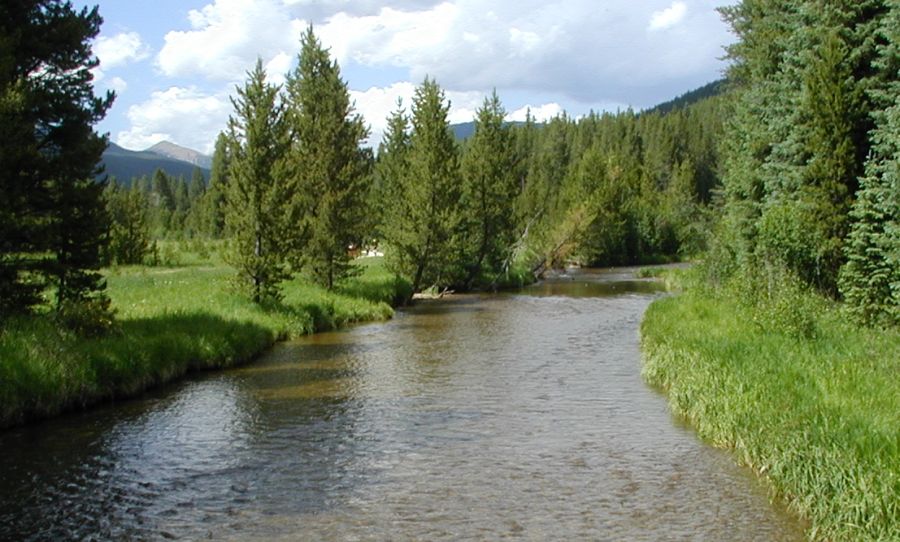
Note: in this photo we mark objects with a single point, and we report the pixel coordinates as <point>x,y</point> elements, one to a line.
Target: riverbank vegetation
<point>796,391</point>
<point>785,346</point>
<point>171,320</point>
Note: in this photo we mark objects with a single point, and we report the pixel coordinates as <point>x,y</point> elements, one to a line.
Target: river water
<point>516,416</point>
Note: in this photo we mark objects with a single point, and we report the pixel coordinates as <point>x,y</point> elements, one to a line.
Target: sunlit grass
<point>171,320</point>
<point>817,414</point>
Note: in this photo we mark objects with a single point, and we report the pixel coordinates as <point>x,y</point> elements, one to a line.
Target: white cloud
<point>117,84</point>
<point>377,103</point>
<point>226,38</point>
<point>540,113</point>
<point>120,49</point>
<point>185,116</point>
<point>669,17</point>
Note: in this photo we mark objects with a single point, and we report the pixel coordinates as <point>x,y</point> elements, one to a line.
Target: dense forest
<point>787,170</point>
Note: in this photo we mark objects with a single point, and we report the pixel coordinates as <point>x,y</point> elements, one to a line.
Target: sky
<point>174,63</point>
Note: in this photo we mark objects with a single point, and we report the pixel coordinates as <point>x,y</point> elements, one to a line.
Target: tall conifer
<point>426,214</point>
<point>489,189</point>
<point>329,171</point>
<point>255,194</point>
<point>52,216</point>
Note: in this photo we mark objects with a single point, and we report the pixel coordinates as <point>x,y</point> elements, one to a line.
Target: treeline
<point>810,157</point>
<point>293,190</point>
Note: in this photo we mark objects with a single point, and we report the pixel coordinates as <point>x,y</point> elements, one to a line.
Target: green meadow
<point>171,320</point>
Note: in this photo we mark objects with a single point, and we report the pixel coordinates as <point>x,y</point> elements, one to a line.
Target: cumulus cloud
<point>113,51</point>
<point>186,116</point>
<point>668,17</point>
<point>227,36</point>
<point>578,49</point>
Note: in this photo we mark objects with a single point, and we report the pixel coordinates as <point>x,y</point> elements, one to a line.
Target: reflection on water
<point>481,417</point>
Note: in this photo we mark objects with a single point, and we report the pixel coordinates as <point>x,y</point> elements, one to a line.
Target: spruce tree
<point>329,171</point>
<point>52,218</point>
<point>489,189</point>
<point>255,195</point>
<point>870,280</point>
<point>425,216</point>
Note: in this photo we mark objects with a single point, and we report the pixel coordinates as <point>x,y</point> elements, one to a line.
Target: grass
<point>809,401</point>
<point>171,320</point>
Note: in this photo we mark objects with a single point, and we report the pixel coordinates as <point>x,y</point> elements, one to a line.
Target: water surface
<point>519,416</point>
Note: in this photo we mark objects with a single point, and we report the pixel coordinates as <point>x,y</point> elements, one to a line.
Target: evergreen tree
<point>51,211</point>
<point>197,187</point>
<point>424,218</point>
<point>213,203</point>
<point>129,233</point>
<point>329,171</point>
<point>390,170</point>
<point>870,280</point>
<point>255,195</point>
<point>489,190</point>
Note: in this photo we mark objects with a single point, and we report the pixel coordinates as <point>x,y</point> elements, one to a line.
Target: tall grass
<point>809,401</point>
<point>170,321</point>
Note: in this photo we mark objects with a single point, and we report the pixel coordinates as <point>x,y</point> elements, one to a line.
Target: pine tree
<point>329,170</point>
<point>255,195</point>
<point>52,215</point>
<point>423,219</point>
<point>489,189</point>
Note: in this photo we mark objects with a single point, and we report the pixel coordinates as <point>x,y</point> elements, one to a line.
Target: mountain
<point>465,130</point>
<point>184,154</point>
<point>706,91</point>
<point>125,165</point>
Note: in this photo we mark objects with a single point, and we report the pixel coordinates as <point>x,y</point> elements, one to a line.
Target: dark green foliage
<point>129,232</point>
<point>210,210</point>
<point>330,175</point>
<point>870,281</point>
<point>52,217</point>
<point>488,194</point>
<point>390,168</point>
<point>800,134</point>
<point>255,196</point>
<point>425,214</point>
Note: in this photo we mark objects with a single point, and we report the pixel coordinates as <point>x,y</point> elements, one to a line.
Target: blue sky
<point>174,63</point>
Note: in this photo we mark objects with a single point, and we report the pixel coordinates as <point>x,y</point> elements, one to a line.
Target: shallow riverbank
<point>814,413</point>
<point>170,321</point>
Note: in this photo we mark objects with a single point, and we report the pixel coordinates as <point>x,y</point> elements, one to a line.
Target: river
<point>515,416</point>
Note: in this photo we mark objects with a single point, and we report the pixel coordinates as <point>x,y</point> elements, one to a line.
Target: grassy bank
<point>810,402</point>
<point>170,320</point>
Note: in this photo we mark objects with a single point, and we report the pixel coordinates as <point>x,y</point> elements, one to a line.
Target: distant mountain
<point>688,98</point>
<point>184,154</point>
<point>125,165</point>
<point>465,130</point>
